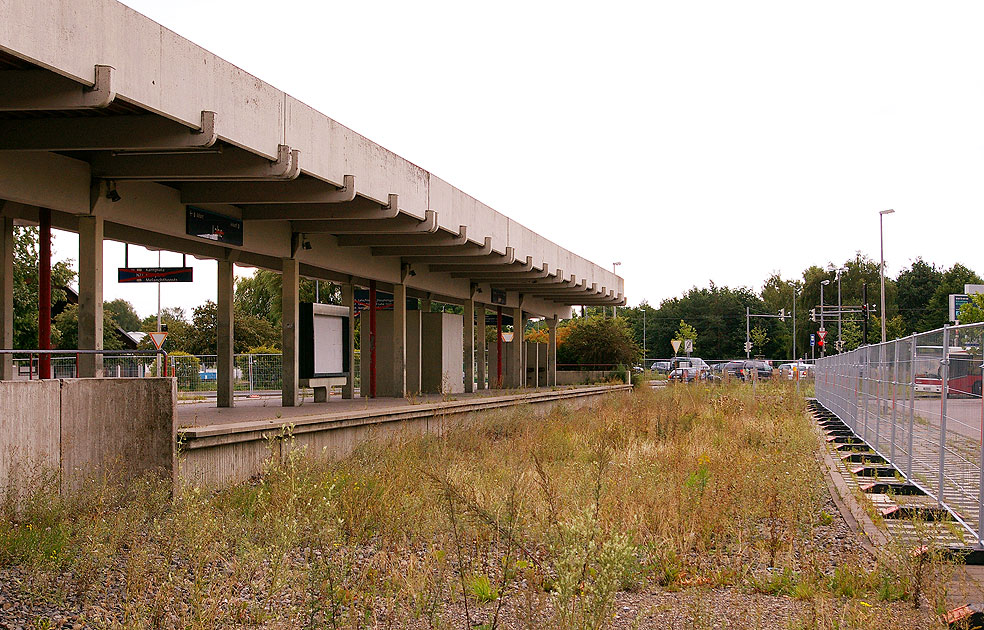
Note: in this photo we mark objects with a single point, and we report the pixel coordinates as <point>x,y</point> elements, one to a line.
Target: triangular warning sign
<point>822,334</point>
<point>676,344</point>
<point>158,338</point>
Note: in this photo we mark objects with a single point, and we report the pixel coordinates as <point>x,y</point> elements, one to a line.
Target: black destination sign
<point>155,274</point>
<point>213,226</point>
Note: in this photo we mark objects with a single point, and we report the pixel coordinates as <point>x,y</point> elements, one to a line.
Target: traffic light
<point>782,314</point>
<point>813,315</point>
<point>748,346</point>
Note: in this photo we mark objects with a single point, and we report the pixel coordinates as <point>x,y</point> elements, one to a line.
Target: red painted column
<point>44,293</point>
<point>498,346</point>
<point>372,338</point>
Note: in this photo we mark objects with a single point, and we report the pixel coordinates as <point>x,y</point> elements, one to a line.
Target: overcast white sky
<point>692,141</point>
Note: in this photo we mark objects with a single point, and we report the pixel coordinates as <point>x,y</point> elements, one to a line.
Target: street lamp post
<point>881,234</point>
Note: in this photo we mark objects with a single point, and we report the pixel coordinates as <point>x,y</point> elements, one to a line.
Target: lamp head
<point>884,212</point>
<point>825,282</point>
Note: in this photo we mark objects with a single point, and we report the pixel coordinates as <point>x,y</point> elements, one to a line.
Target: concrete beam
<point>490,263</point>
<point>299,191</point>
<point>289,321</point>
<point>41,90</point>
<point>221,164</point>
<point>428,254</point>
<point>120,133</point>
<point>390,245</point>
<point>425,234</point>
<point>224,374</point>
<point>90,295</point>
<point>6,295</point>
<point>399,225</point>
<point>360,208</point>
<point>508,274</point>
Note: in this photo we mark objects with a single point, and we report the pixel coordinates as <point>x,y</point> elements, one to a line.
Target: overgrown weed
<point>515,520</point>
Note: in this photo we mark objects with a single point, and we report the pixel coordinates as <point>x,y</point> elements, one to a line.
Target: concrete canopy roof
<point>95,96</point>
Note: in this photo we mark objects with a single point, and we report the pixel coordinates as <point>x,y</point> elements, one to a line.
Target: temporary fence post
<point>249,364</point>
<point>944,377</point>
<point>864,390</point>
<point>879,377</point>
<point>980,482</point>
<point>912,404</point>
<point>895,387</point>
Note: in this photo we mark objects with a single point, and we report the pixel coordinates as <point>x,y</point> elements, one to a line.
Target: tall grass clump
<point>511,520</point>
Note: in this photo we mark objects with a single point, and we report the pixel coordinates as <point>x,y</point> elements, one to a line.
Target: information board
<point>213,226</point>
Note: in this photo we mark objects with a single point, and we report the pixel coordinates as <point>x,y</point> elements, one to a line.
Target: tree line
<point>916,300</point>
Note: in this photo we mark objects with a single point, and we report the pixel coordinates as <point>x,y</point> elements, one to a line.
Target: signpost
<point>213,226</point>
<point>158,338</point>
<point>498,297</point>
<point>688,346</point>
<point>155,274</point>
<point>956,301</point>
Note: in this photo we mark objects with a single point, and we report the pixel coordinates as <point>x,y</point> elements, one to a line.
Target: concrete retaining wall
<point>30,413</point>
<point>224,454</point>
<point>75,426</point>
<point>580,377</point>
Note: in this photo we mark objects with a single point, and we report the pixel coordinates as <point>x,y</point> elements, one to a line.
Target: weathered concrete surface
<point>127,421</point>
<point>579,377</point>
<point>219,454</point>
<point>29,427</point>
<point>166,75</point>
<point>75,426</point>
<point>441,353</point>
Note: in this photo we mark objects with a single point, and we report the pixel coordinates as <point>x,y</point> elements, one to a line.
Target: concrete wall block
<point>29,429</point>
<point>127,421</point>
<point>441,353</point>
<point>223,465</point>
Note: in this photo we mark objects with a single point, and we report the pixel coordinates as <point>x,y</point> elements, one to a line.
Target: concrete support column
<point>225,363</point>
<point>290,286</point>
<point>524,361</point>
<point>90,295</point>
<point>552,352</point>
<point>6,296</point>
<point>480,355</point>
<point>348,301</point>
<point>469,339</point>
<point>517,374</point>
<point>399,340</point>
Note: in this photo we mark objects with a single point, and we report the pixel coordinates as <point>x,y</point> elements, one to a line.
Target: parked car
<point>786,370</point>
<point>686,374</point>
<point>758,368</point>
<point>733,369</point>
<point>662,367</point>
<point>696,362</point>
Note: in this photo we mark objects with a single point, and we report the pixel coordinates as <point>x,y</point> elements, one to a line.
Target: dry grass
<point>581,519</point>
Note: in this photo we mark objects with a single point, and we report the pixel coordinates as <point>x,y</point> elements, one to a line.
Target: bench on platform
<point>321,386</point>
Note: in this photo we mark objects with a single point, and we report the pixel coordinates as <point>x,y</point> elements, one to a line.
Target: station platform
<point>218,446</point>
